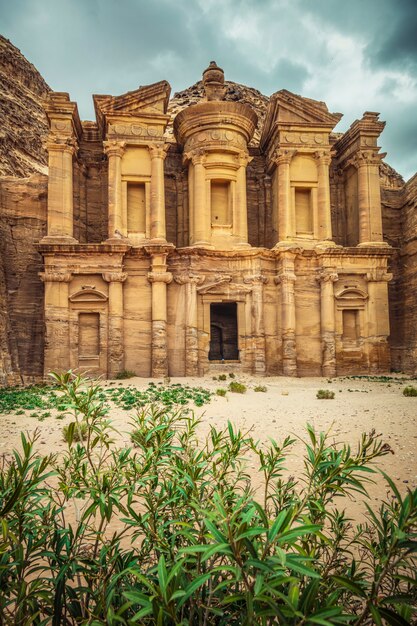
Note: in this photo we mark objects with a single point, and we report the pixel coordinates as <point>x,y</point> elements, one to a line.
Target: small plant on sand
<point>237,387</point>
<point>261,388</point>
<point>410,391</point>
<point>221,392</point>
<point>222,377</point>
<point>231,375</point>
<point>325,394</point>
<point>75,432</point>
<point>125,374</point>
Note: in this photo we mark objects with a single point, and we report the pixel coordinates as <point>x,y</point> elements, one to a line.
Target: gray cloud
<point>354,55</point>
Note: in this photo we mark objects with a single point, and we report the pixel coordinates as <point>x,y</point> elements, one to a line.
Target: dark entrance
<point>223,332</point>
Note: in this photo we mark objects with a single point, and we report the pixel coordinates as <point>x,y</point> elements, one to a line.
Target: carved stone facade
<point>227,243</point>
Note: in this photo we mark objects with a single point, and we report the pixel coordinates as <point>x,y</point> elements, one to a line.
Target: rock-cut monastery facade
<point>265,256</point>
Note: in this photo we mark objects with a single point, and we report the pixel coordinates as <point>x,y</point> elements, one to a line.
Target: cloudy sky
<point>356,55</point>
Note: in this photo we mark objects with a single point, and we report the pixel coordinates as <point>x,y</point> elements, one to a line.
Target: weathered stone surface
<point>161,210</point>
<point>23,125</point>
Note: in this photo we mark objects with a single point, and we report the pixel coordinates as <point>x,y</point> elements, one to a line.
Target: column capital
<point>256,279</point>
<point>55,276</point>
<point>56,143</point>
<point>193,279</point>
<point>198,157</point>
<point>160,277</point>
<point>285,278</point>
<point>283,156</point>
<point>114,277</point>
<point>114,148</point>
<point>364,158</point>
<point>323,157</point>
<point>378,276</point>
<point>327,276</point>
<point>243,159</point>
<point>158,150</point>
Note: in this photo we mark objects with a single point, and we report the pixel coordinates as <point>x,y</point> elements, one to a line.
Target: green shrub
<point>410,391</point>
<point>173,532</point>
<point>221,392</point>
<point>222,377</point>
<point>125,374</point>
<point>231,375</point>
<point>325,394</point>
<point>262,388</point>
<point>237,387</point>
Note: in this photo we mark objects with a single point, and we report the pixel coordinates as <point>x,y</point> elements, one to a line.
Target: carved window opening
<point>136,208</point>
<point>223,332</point>
<point>221,204</point>
<point>350,325</point>
<point>88,338</point>
<point>303,211</point>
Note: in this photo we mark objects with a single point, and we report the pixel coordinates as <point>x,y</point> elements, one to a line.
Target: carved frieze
<point>134,130</point>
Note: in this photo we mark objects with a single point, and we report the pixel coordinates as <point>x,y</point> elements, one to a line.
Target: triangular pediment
<point>292,108</point>
<point>147,100</point>
<point>289,109</point>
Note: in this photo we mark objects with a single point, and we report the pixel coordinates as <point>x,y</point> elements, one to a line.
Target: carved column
<point>378,320</point>
<point>369,198</point>
<point>258,331</point>
<point>323,192</point>
<point>115,354</point>
<point>158,228</point>
<point>57,347</point>
<point>60,188</point>
<point>240,218</point>
<point>117,222</point>
<point>286,217</point>
<point>286,279</point>
<point>201,234</point>
<point>159,279</point>
<point>327,317</point>
<point>191,282</point>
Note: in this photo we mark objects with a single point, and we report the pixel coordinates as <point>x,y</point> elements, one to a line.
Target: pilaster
<point>326,280</point>
<point>117,221</point>
<point>324,210</point>
<point>258,331</point>
<point>115,359</point>
<point>159,279</point>
<point>57,349</point>
<point>158,153</point>
<point>284,211</point>
<point>240,218</point>
<point>190,281</point>
<point>286,282</point>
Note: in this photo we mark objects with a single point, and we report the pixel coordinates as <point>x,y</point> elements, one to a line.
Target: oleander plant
<point>170,531</point>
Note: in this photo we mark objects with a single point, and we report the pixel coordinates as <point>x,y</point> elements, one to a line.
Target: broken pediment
<point>148,101</point>
<point>291,110</point>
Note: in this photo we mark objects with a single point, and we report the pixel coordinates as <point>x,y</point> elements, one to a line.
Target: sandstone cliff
<point>23,185</point>
<point>23,125</point>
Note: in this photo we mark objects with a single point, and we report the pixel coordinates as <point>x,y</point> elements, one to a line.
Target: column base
<point>58,240</point>
<point>242,246</point>
<point>116,241</point>
<point>286,245</point>
<point>373,244</point>
<point>202,244</point>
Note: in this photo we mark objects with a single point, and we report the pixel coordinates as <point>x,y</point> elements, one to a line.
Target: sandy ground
<point>289,403</point>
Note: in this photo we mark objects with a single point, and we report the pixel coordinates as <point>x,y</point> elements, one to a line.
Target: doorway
<point>223,332</point>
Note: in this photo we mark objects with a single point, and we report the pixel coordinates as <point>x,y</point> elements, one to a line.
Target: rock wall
<point>22,223</point>
<point>405,320</point>
<point>23,124</point>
